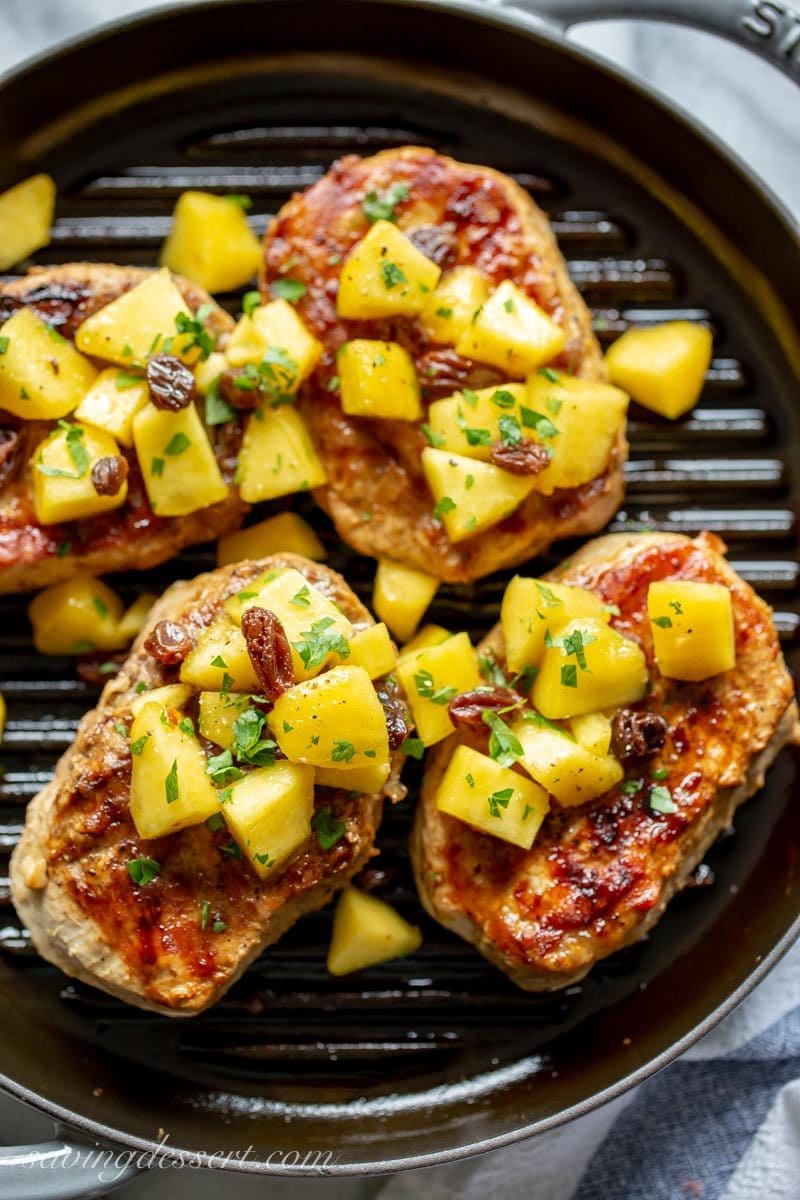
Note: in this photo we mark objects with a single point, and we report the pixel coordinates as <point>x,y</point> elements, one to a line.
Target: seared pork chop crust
<point>34,556</point>
<point>146,944</point>
<point>599,876</point>
<point>458,215</point>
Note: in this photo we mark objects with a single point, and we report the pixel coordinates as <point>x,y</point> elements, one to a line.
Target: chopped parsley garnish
<point>219,661</point>
<point>343,751</point>
<point>302,599</point>
<point>435,439</point>
<point>264,859</point>
<point>547,594</point>
<point>177,444</point>
<point>392,275</point>
<point>508,305</point>
<point>469,397</point>
<point>661,801</point>
<point>218,410</point>
<point>276,377</point>
<point>216,822</point>
<point>241,200</point>
<point>444,313</point>
<point>221,768</point>
<point>227,684</point>
<point>138,746</point>
<point>186,725</point>
<point>504,745</point>
<point>663,622</point>
<point>569,675</point>
<point>550,375</point>
<point>120,729</point>
<point>100,606</point>
<point>676,607</point>
<point>660,773</point>
<point>499,800</point>
<point>64,548</point>
<point>319,641</point>
<point>199,337</point>
<point>287,728</point>
<point>380,206</point>
<point>538,422</point>
<point>503,399</point>
<point>108,668</point>
<point>126,380</point>
<point>4,344</point>
<point>443,506</point>
<point>491,670</point>
<point>232,850</point>
<point>631,786</point>
<point>218,926</point>
<point>328,829</point>
<point>157,467</point>
<point>510,431</point>
<point>413,747</point>
<point>426,687</point>
<point>250,302</point>
<point>171,783</point>
<point>140,687</point>
<point>205,913</point>
<point>576,643</point>
<point>143,870</point>
<point>469,779</point>
<point>334,383</point>
<point>291,290</point>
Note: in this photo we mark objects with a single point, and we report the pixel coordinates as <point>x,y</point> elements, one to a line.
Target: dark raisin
<point>59,305</point>
<point>239,390</point>
<point>109,474</point>
<point>526,458</point>
<point>437,242</point>
<point>170,382</point>
<point>10,455</point>
<point>466,711</point>
<point>269,650</point>
<point>441,372</point>
<point>169,643</point>
<point>372,879</point>
<point>637,734</point>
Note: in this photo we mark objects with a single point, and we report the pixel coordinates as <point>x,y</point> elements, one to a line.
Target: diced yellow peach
<point>494,799</point>
<point>171,695</point>
<point>593,731</point>
<point>180,471</point>
<point>385,275</point>
<point>140,322</point>
<point>588,666</point>
<point>42,375</point>
<point>269,814</point>
<point>663,367</point>
<point>579,420</point>
<point>76,616</point>
<point>367,931</point>
<point>211,243</point>
<point>284,533</point>
<point>61,478</point>
<point>401,595</point>
<point>368,779</point>
<point>170,788</point>
<point>469,495</point>
<point>430,680</point>
<point>219,660</point>
<point>469,423</point>
<point>532,607</point>
<point>377,379</point>
<point>333,719</point>
<point>692,626</point>
<point>429,635</point>
<point>277,456</point>
<point>512,332</point>
<point>453,303</point>
<point>26,215</point>
<point>274,334</point>
<point>566,769</point>
<point>373,649</point>
<point>113,401</point>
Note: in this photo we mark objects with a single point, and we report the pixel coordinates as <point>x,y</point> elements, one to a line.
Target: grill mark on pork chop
<point>373,466</point>
<point>599,875</point>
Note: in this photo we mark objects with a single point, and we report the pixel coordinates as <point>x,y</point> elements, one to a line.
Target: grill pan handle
<point>770,28</point>
<point>61,1170</point>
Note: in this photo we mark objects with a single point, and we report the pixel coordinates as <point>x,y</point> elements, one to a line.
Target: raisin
<point>437,242</point>
<point>10,455</point>
<point>395,713</point>
<point>441,372</point>
<point>525,458</point>
<point>637,734</point>
<point>466,711</point>
<point>109,474</point>
<point>239,390</point>
<point>169,642</point>
<point>269,650</point>
<point>170,383</point>
<point>59,305</point>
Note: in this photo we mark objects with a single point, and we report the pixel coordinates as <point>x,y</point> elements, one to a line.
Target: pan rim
<point>519,24</point>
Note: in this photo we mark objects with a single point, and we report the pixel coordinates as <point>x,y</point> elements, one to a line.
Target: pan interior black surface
<point>436,1053</point>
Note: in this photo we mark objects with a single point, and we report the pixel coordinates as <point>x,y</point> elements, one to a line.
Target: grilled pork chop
<point>33,556</point>
<point>599,876</point>
<point>147,944</point>
<point>458,215</point>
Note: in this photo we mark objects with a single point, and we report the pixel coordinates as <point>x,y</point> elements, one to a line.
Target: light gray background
<point>757,113</point>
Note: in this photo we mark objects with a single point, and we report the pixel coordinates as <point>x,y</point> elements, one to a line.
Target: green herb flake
<point>413,747</point>
<point>510,431</point>
<point>503,399</point>
<point>143,870</point>
<point>199,337</point>
<point>140,688</point>
<point>443,506</point>
<point>508,305</point>
<point>319,641</point>
<point>186,725</point>
<point>504,745</point>
<point>171,783</point>
<point>499,800</point>
<point>444,313</point>
<point>392,275</point>
<point>660,774</point>
<point>121,729</point>
<point>469,779</point>
<point>222,770</point>
<point>550,375</point>
<point>205,913</point>
<point>676,607</point>
<point>328,829</point>
<point>100,607</point>
<point>569,675</point>
<point>216,822</point>
<point>177,444</point>
<point>217,409</point>
<point>219,661</point>
<point>240,200</point>
<point>538,422</point>
<point>291,290</point>
<point>108,668</point>
<point>343,751</point>
<point>663,622</point>
<point>138,746</point>
<point>4,344</point>
<point>435,439</point>
<point>426,687</point>
<point>157,468</point>
<point>250,302</point>
<point>302,599</point>
<point>232,850</point>
<point>218,926</point>
<point>380,206</point>
<point>660,800</point>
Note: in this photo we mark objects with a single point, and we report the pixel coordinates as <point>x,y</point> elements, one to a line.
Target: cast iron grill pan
<point>290,1043</point>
